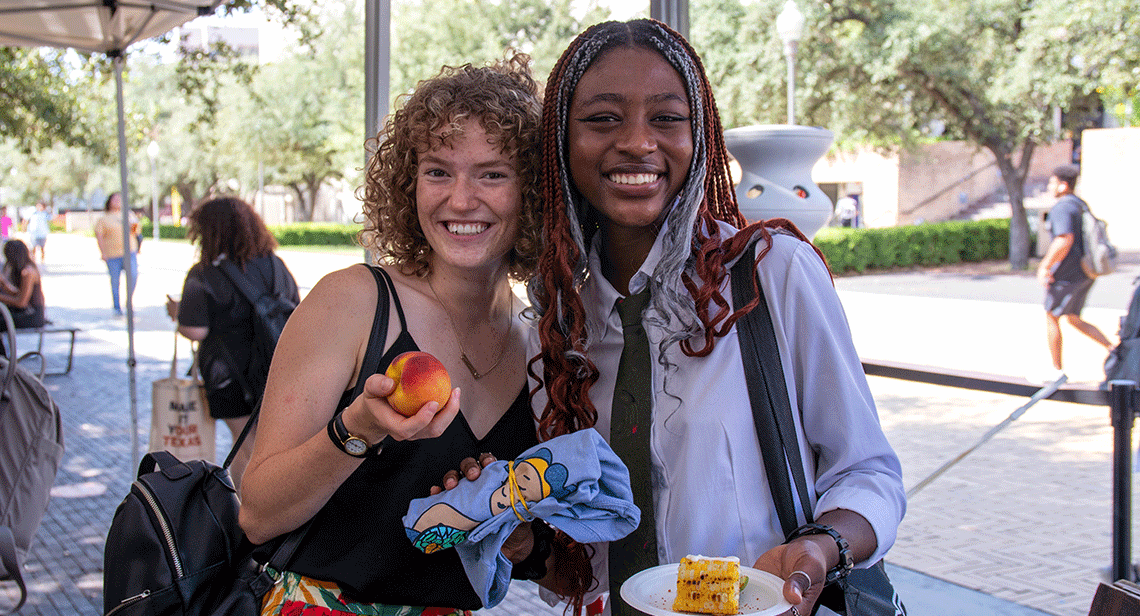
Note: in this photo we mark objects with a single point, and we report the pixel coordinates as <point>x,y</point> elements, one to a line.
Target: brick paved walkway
<point>1024,520</point>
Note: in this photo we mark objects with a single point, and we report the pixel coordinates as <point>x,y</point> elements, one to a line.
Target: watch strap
<point>846,561</point>
<point>340,435</point>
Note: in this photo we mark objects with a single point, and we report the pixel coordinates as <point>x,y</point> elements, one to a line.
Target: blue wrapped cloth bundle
<point>573,482</point>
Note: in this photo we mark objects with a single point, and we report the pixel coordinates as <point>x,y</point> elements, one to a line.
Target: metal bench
<point>40,332</point>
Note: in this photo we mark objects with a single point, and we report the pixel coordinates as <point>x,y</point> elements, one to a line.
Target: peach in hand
<point>420,378</point>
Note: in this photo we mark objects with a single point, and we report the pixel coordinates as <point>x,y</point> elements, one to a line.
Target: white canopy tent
<point>110,27</point>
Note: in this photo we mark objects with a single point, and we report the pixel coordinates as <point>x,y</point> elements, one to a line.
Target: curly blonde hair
<point>504,98</point>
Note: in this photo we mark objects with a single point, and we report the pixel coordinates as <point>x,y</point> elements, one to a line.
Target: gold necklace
<point>463,354</point>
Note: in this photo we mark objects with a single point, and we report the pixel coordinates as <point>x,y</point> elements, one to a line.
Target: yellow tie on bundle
<point>516,493</point>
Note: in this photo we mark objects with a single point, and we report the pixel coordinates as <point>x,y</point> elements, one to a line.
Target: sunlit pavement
<point>1021,527</point>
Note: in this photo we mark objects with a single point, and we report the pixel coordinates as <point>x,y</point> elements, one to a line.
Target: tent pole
<point>128,265</point>
<point>377,64</point>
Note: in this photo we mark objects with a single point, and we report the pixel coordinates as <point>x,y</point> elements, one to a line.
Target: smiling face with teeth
<point>468,199</point>
<point>630,140</point>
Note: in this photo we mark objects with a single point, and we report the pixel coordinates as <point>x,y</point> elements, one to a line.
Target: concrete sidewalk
<point>1019,528</point>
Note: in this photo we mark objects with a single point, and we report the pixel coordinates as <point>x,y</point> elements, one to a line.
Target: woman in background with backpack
<point>213,311</point>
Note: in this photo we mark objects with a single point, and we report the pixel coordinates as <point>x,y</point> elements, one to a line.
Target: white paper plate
<point>652,591</point>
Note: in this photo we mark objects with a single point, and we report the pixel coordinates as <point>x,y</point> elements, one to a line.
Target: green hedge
<point>297,234</point>
<point>316,234</point>
<point>166,232</point>
<point>924,245</point>
<point>846,249</point>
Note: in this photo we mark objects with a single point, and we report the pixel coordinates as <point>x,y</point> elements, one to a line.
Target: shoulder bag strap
<point>10,565</point>
<point>376,342</point>
<point>239,279</point>
<point>768,393</point>
<point>242,283</point>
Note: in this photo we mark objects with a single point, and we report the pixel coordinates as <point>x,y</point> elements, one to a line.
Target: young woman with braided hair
<point>637,197</point>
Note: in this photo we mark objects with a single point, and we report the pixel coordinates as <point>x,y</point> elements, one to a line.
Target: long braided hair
<point>694,252</point>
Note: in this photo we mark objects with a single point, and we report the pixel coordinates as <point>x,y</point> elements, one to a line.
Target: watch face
<point>355,446</point>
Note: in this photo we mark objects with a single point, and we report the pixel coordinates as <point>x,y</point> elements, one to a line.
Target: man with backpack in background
<point>1060,272</point>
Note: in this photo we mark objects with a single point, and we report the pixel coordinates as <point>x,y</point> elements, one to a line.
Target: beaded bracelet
<point>846,562</point>
<point>533,567</point>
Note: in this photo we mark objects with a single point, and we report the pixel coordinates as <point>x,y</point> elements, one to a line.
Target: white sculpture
<point>776,163</point>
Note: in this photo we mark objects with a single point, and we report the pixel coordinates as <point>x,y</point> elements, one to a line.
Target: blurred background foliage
<point>885,73</point>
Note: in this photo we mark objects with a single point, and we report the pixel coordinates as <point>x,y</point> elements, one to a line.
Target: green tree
<point>304,120</point>
<point>41,101</point>
<point>428,34</point>
<point>36,105</point>
<point>880,71</point>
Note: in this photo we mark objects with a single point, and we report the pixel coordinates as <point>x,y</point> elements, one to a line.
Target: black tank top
<point>358,540</point>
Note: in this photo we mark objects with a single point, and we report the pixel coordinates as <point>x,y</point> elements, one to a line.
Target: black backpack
<point>175,547</point>
<point>271,310</point>
<point>1123,362</point>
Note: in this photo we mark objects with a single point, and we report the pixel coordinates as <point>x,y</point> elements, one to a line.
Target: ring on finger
<point>795,612</point>
<point>803,573</point>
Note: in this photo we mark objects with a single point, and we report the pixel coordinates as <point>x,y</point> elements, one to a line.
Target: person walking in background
<point>20,289</point>
<point>1060,272</point>
<point>214,312</point>
<point>5,224</point>
<point>39,225</point>
<point>109,235</point>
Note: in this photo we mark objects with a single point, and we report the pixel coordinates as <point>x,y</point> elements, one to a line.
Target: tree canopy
<point>883,72</point>
<point>887,71</point>
<point>39,103</point>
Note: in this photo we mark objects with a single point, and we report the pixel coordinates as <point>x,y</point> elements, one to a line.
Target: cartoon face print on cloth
<point>529,480</point>
<point>535,478</point>
<point>573,482</point>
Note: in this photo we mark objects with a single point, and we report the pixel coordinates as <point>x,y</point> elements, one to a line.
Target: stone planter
<point>776,162</point>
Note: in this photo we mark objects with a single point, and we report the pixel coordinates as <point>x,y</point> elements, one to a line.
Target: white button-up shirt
<point>710,491</point>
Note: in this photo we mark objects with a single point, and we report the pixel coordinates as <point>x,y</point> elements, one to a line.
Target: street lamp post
<point>152,152</point>
<point>790,27</point>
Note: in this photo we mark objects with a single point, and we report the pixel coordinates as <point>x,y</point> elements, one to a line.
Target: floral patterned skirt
<point>297,595</point>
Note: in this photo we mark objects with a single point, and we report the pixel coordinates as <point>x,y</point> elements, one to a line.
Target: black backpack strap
<point>372,354</point>
<point>245,287</point>
<point>768,393</point>
<point>240,280</point>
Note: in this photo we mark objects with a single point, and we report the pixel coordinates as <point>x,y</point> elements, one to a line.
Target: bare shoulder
<point>344,290</point>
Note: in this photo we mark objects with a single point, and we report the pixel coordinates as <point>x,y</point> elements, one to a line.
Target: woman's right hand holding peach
<point>373,417</point>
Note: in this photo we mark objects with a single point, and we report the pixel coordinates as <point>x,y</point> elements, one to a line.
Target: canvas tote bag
<point>180,419</point>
